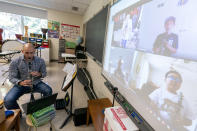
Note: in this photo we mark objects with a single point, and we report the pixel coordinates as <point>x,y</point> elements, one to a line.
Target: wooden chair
<point>30,124</point>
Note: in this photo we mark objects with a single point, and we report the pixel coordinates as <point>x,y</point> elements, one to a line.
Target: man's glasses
<point>174,79</point>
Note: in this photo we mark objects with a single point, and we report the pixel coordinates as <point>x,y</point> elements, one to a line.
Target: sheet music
<point>71,70</point>
<point>68,68</point>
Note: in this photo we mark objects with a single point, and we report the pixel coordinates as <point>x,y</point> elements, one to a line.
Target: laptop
<point>39,104</point>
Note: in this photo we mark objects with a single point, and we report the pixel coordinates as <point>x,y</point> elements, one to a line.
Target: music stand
<point>68,82</point>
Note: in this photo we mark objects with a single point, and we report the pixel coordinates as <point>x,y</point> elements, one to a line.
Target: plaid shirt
<point>19,69</point>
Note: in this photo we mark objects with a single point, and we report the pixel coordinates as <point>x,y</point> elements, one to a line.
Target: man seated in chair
<point>19,75</point>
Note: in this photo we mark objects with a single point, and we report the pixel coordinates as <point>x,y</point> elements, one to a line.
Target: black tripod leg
<point>32,97</point>
<point>67,111</point>
<point>70,111</point>
<point>51,128</point>
<point>66,120</point>
<point>4,81</point>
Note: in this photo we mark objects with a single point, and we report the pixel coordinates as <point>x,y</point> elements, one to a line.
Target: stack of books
<point>43,116</point>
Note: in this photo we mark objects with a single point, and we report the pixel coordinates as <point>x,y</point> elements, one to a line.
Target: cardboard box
<point>70,51</point>
<point>116,119</point>
<point>2,111</point>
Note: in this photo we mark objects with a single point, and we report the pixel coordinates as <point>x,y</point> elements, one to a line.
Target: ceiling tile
<point>77,4</point>
<point>60,5</point>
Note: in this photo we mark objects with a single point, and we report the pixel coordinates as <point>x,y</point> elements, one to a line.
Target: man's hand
<point>169,47</point>
<point>25,83</point>
<point>165,43</point>
<point>35,74</point>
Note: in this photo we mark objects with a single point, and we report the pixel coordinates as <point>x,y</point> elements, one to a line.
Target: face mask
<point>79,40</point>
<point>171,29</point>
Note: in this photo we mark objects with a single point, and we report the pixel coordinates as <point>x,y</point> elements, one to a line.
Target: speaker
<point>80,116</point>
<point>62,103</point>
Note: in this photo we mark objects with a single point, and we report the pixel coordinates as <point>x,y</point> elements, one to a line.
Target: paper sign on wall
<point>70,31</point>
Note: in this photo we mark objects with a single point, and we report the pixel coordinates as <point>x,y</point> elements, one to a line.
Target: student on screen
<point>167,42</point>
<point>126,31</point>
<point>119,72</point>
<point>170,103</point>
<point>182,2</point>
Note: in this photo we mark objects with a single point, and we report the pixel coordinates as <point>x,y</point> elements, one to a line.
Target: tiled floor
<point>54,79</point>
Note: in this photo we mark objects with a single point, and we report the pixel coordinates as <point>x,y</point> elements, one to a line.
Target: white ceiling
<point>60,5</point>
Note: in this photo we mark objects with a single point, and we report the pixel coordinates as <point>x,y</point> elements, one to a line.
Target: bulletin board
<point>54,28</point>
<point>70,31</point>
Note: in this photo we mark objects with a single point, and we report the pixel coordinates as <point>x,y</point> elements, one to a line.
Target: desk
<point>95,110</point>
<point>12,121</point>
<point>82,63</point>
<point>7,55</point>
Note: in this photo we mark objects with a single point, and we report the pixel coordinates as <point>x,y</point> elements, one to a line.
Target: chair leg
<point>52,128</point>
<point>29,128</point>
<point>35,128</point>
<point>5,81</point>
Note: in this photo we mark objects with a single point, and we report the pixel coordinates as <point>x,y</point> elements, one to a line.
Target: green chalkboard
<point>95,34</point>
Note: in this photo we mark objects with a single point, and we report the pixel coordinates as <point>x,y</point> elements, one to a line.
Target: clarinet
<point>31,78</point>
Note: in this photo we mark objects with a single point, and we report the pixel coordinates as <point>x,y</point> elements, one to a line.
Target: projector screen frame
<point>106,77</point>
<point>143,125</point>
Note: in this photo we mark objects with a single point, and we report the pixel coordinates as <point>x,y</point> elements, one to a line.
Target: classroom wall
<point>94,8</point>
<point>95,69</point>
<point>62,17</point>
<point>66,18</point>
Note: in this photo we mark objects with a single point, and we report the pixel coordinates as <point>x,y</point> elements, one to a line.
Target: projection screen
<point>150,55</point>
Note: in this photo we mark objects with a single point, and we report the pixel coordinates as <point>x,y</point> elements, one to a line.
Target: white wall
<point>66,18</point>
<point>62,17</point>
<point>94,8</point>
<point>98,80</point>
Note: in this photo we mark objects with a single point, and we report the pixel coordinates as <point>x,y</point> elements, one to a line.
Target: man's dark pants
<point>10,100</point>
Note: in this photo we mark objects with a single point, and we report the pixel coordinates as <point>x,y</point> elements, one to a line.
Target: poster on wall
<point>70,31</point>
<point>53,34</point>
<point>54,28</point>
<point>53,25</point>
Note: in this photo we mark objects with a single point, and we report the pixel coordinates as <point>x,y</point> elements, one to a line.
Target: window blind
<point>22,10</point>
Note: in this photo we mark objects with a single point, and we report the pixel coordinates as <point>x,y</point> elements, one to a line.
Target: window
<point>14,24</point>
<point>11,24</point>
<point>35,24</point>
